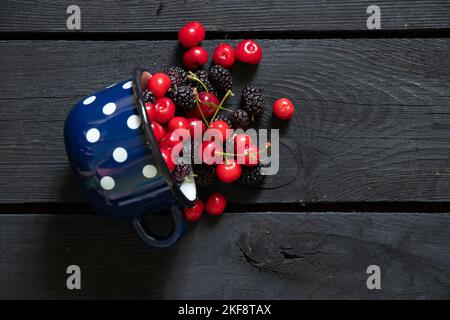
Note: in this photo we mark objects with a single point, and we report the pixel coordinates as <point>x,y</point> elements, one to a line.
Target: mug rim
<point>151,141</point>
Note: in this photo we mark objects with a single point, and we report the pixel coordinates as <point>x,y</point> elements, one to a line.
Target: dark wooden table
<point>365,167</point>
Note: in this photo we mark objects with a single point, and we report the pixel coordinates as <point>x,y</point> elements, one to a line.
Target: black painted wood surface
<point>240,256</point>
<point>371,134</point>
<point>226,16</point>
<point>372,121</point>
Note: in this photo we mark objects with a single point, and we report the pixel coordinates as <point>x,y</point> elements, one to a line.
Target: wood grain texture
<point>240,256</point>
<point>372,121</point>
<point>223,15</point>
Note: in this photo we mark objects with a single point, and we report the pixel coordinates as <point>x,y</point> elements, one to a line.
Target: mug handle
<point>158,242</point>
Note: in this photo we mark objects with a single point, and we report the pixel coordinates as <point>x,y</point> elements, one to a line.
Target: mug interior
<point>186,193</point>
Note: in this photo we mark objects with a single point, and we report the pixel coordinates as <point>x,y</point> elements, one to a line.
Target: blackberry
<point>252,101</point>
<point>251,176</point>
<point>221,78</point>
<point>181,171</point>
<point>148,96</point>
<point>178,76</point>
<point>183,97</point>
<point>205,175</point>
<point>202,75</point>
<point>240,119</point>
<point>225,116</point>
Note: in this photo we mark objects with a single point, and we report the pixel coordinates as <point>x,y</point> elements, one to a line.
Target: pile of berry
<point>194,100</point>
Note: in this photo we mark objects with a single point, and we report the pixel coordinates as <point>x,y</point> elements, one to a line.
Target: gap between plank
<point>372,207</point>
<point>220,35</point>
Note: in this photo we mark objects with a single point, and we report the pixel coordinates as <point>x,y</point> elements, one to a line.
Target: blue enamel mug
<point>117,162</point>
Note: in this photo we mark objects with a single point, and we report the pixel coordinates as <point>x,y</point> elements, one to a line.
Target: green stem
<point>192,76</point>
<point>211,104</point>
<point>229,93</point>
<point>215,114</point>
<point>201,112</point>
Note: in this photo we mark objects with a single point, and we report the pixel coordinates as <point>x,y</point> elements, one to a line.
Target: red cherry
<point>248,51</point>
<point>171,139</point>
<point>196,127</point>
<point>164,144</point>
<point>241,142</point>
<point>193,214</point>
<point>216,204</point>
<point>179,142</point>
<point>193,113</point>
<point>224,129</point>
<point>150,111</point>
<point>158,131</point>
<point>191,34</point>
<point>224,55</point>
<point>208,151</point>
<point>159,83</point>
<point>283,109</point>
<point>208,103</point>
<point>195,58</point>
<point>229,171</point>
<point>163,110</point>
<point>178,123</point>
<point>168,159</point>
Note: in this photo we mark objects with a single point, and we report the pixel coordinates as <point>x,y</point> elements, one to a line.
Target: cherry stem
<point>229,93</point>
<point>218,107</point>
<point>192,76</point>
<point>211,104</point>
<point>201,112</point>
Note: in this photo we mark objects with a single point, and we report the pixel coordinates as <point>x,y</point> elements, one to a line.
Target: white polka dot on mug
<point>133,122</point>
<point>93,135</point>
<point>107,183</point>
<point>89,100</point>
<point>120,154</point>
<point>109,108</point>
<point>127,85</point>
<point>149,171</point>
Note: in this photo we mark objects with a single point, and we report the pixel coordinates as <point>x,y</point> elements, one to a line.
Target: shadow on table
<point>114,263</point>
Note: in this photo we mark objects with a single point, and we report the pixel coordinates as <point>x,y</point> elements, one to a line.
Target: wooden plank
<point>222,16</point>
<point>240,256</point>
<point>372,122</point>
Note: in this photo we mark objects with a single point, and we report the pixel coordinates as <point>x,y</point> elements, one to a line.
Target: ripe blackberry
<point>202,75</point>
<point>148,96</point>
<point>181,171</point>
<point>183,97</point>
<point>225,116</point>
<point>251,176</point>
<point>240,119</point>
<point>205,175</point>
<point>252,101</point>
<point>178,76</point>
<point>221,78</point>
